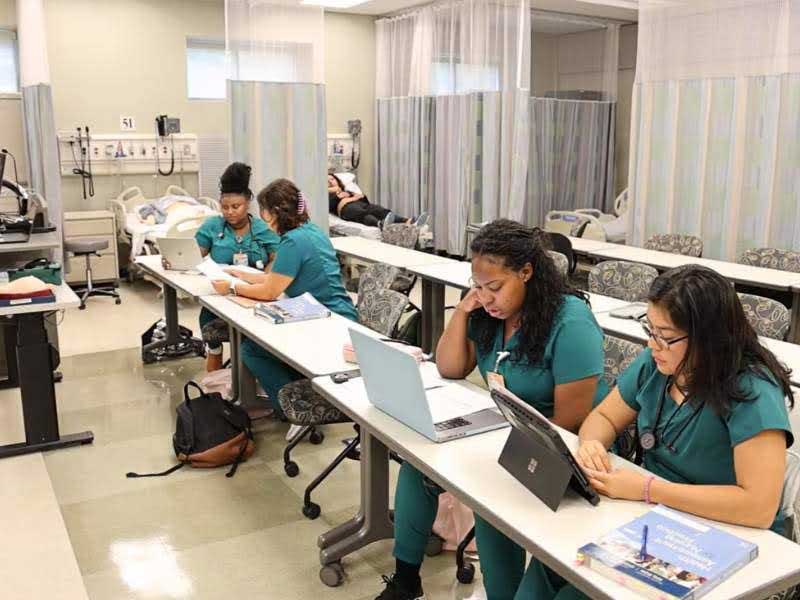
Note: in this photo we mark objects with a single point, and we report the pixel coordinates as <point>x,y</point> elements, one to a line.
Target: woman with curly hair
<point>522,321</point>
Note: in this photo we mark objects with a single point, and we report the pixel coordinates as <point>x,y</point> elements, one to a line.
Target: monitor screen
<point>2,164</point>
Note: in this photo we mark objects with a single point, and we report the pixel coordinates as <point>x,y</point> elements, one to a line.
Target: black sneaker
<point>393,591</point>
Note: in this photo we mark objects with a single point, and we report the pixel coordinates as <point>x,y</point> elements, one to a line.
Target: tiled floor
<point>195,534</point>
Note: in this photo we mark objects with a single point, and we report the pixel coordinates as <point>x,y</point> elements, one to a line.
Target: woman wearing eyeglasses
<point>709,402</point>
<point>524,326</point>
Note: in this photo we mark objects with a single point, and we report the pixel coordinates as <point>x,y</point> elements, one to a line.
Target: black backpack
<point>209,432</point>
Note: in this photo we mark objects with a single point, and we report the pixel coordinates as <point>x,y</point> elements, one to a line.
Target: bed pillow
<point>348,180</point>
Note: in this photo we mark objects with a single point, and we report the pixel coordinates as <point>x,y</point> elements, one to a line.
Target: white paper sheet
<point>453,401</point>
<point>214,270</point>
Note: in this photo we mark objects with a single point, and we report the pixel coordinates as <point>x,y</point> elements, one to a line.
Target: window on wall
<point>9,70</point>
<point>205,69</point>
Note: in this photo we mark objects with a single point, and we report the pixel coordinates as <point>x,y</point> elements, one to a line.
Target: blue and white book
<point>668,554</point>
<point>289,310</point>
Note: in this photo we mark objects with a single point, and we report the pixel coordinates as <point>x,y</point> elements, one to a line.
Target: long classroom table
<point>760,277</point>
<point>468,468</point>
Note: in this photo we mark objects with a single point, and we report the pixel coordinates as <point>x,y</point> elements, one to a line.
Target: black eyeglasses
<point>662,342</point>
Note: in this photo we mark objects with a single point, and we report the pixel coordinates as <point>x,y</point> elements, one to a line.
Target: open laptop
<point>439,410</point>
<point>182,254</point>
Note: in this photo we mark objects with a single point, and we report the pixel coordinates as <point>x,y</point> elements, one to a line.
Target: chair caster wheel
<point>291,468</point>
<point>117,301</point>
<point>332,575</point>
<point>466,573</point>
<point>434,546</point>
<point>82,307</point>
<point>311,511</point>
<point>316,437</point>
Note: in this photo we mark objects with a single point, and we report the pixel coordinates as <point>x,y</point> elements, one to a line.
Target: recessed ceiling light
<point>632,4</point>
<point>333,3</point>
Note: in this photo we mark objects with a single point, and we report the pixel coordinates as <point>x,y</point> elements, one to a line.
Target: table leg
<point>243,383</point>
<point>794,330</point>
<point>172,346</point>
<point>372,523</point>
<point>10,343</point>
<point>432,314</point>
<point>39,410</point>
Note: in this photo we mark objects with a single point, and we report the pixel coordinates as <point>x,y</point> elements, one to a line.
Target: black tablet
<point>539,447</point>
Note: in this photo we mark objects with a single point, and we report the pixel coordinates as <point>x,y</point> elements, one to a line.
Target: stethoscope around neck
<point>221,234</point>
<point>649,437</point>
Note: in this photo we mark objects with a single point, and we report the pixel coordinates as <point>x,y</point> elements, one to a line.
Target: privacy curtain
<point>39,126</point>
<point>572,114</point>
<point>452,85</point>
<point>275,54</point>
<point>715,137</point>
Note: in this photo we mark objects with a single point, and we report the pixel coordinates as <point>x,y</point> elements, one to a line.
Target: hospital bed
<point>142,237</point>
<point>592,223</point>
<point>340,227</point>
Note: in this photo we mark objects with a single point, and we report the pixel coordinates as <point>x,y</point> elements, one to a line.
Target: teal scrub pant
<point>502,560</point>
<point>271,373</point>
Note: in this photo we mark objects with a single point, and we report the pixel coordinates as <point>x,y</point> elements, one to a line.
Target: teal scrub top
<point>258,243</point>
<point>305,253</point>
<point>574,351</point>
<point>703,454</point>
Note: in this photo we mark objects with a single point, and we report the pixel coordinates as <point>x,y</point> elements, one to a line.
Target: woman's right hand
<point>221,286</point>
<point>469,302</point>
<point>593,455</point>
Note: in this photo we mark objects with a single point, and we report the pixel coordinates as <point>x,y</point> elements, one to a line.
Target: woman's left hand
<point>625,484</point>
<point>236,273</point>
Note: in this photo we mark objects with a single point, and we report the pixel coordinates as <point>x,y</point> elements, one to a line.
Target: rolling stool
<point>89,248</point>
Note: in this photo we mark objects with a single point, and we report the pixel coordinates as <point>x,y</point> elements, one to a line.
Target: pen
<point>643,551</point>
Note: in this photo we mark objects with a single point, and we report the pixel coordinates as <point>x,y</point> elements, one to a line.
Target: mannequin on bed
<point>353,206</point>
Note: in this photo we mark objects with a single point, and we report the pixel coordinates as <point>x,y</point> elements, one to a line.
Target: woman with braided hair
<point>522,321</point>
<point>305,261</point>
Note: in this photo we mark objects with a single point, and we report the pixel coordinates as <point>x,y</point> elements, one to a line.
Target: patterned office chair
<point>772,258</point>
<point>405,236</point>
<point>379,310</point>
<point>622,279</point>
<point>377,276</point>
<point>790,511</point>
<point>768,317</point>
<point>560,261</point>
<point>619,354</point>
<point>676,243</point>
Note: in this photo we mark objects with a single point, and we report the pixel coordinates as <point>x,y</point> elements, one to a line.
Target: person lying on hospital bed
<point>351,205</point>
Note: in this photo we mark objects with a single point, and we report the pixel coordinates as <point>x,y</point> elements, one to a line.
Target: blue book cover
<point>288,310</point>
<point>668,554</point>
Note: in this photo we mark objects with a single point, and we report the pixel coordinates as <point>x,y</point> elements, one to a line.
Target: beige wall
<point>115,57</point>
<point>350,82</point>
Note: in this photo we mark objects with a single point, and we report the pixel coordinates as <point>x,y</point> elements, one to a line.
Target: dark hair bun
<point>236,180</point>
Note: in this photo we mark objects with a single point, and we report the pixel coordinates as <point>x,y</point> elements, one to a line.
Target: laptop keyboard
<point>451,424</point>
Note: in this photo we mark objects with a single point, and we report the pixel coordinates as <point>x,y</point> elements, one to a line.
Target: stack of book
<point>290,310</point>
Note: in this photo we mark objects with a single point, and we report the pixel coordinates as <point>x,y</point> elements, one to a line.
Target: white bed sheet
<point>339,226</point>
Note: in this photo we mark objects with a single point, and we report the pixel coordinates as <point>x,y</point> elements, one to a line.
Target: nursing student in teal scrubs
<point>710,405</point>
<point>523,321</point>
<point>233,238</point>
<point>305,261</point>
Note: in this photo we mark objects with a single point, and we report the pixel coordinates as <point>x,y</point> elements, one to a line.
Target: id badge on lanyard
<point>495,380</point>
<point>240,259</point>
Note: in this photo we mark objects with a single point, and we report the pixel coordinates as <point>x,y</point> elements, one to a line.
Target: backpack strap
<point>161,474</point>
<point>248,436</point>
